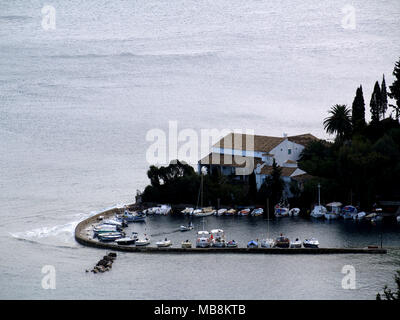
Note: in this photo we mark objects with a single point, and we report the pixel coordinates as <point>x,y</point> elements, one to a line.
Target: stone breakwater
<point>83,235</point>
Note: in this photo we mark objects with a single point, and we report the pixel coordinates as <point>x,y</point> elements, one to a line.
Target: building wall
<point>286,150</point>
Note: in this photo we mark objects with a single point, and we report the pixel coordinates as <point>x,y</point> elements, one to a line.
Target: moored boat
<point>110,236</point>
<point>232,244</point>
<point>144,241</point>
<point>267,243</point>
<point>282,242</point>
<point>244,212</point>
<point>220,212</point>
<point>125,241</point>
<point>257,212</point>
<point>164,243</point>
<point>333,210</point>
<point>295,243</point>
<point>230,212</point>
<point>186,244</point>
<point>311,243</point>
<point>203,239</point>
<point>252,244</point>
<point>318,212</point>
<point>218,238</point>
<point>294,212</point>
<point>188,211</point>
<point>349,212</point>
<point>186,228</point>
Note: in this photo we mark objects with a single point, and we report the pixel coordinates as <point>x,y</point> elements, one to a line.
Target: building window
<point>289,151</point>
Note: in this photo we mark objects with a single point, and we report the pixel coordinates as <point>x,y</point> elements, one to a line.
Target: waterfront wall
<point>82,236</point>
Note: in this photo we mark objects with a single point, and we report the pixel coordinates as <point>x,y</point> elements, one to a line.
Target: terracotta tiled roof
<point>286,171</point>
<point>238,141</point>
<point>303,139</point>
<point>302,177</point>
<point>231,161</point>
<point>260,143</point>
<point>290,161</point>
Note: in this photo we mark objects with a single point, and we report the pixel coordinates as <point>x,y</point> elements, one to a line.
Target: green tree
<point>339,122</point>
<point>252,187</point>
<point>384,99</point>
<point>395,89</point>
<point>376,103</point>
<point>358,111</point>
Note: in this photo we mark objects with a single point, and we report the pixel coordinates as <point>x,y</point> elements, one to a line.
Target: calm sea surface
<point>76,104</point>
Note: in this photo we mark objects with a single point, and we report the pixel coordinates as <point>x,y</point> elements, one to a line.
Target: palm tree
<point>339,122</point>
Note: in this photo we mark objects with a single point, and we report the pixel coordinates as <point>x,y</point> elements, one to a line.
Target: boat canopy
<point>334,204</point>
<point>203,233</point>
<point>217,231</point>
<point>349,209</point>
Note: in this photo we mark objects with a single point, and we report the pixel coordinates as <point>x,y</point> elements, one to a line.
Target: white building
<point>240,154</point>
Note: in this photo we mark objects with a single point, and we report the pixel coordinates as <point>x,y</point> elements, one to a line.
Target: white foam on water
<point>61,233</point>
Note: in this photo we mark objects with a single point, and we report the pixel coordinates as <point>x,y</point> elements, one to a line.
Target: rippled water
<point>76,103</point>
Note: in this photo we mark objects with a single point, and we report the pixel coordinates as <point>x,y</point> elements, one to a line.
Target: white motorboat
<point>267,243</point>
<point>257,212</point>
<point>204,212</point>
<point>318,212</point>
<point>110,236</point>
<point>143,241</point>
<point>164,243</point>
<point>311,243</point>
<point>359,216</point>
<point>295,243</point>
<point>125,241</point>
<point>230,212</point>
<point>294,212</point>
<point>203,239</point>
<point>187,211</point>
<point>333,210</point>
<point>113,222</point>
<point>220,212</point>
<point>186,228</point>
<point>186,244</point>
<point>218,238</point>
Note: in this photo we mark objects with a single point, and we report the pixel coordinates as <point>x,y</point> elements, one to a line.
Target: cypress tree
<point>375,103</point>
<point>384,100</point>
<point>358,111</point>
<point>395,89</point>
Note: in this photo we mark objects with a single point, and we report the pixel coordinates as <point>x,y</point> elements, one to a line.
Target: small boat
<point>318,212</point>
<point>333,210</point>
<point>125,241</point>
<point>282,208</point>
<point>204,212</point>
<point>282,242</point>
<point>203,239</point>
<point>296,243</point>
<point>105,229</point>
<point>311,243</point>
<point>143,241</point>
<point>267,243</point>
<point>230,212</point>
<point>187,211</point>
<point>232,244</point>
<point>349,212</point>
<point>139,217</point>
<point>294,212</point>
<point>244,212</point>
<point>252,244</point>
<point>359,216</point>
<point>164,243</point>
<point>113,222</point>
<point>110,236</point>
<point>186,244</point>
<point>162,210</point>
<point>186,228</point>
<point>218,238</point>
<point>220,212</point>
<point>257,212</point>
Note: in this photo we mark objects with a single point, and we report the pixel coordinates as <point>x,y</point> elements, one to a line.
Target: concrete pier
<point>82,235</point>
